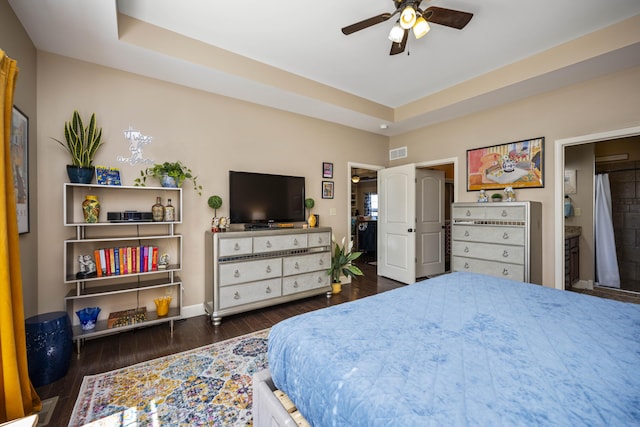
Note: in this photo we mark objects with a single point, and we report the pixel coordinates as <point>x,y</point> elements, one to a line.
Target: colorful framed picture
<point>327,189</point>
<point>20,164</point>
<point>107,176</point>
<point>327,170</point>
<point>515,164</point>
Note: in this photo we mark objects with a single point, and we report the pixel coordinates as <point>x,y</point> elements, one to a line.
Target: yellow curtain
<point>18,398</point>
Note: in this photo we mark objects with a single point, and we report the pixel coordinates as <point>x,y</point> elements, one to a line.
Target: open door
<point>396,223</point>
<point>430,222</point>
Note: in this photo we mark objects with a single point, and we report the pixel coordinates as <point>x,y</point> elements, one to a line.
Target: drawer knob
<point>295,284</point>
<point>319,240</point>
<point>236,296</point>
<point>236,273</point>
<point>505,254</point>
<point>505,272</point>
<point>466,233</point>
<point>466,265</point>
<point>468,213</point>
<point>268,290</point>
<point>319,279</point>
<point>268,243</point>
<point>321,262</point>
<point>466,249</point>
<point>268,269</point>
<point>295,242</point>
<point>296,266</point>
<point>236,247</point>
<point>505,236</point>
<point>504,213</point>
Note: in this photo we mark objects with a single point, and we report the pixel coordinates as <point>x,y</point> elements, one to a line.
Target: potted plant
<point>215,202</point>
<point>496,197</point>
<point>341,264</point>
<point>311,219</point>
<point>81,143</point>
<point>170,174</point>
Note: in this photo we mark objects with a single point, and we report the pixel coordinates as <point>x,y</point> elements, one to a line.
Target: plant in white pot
<point>341,264</point>
<point>82,143</point>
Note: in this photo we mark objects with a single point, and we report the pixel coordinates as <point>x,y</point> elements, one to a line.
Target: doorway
<point>595,143</point>
<point>448,165</point>
<point>364,211</point>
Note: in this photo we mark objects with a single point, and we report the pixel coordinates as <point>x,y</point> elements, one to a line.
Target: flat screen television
<point>261,199</point>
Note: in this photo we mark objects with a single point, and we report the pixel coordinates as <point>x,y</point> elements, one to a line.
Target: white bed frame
<point>268,408</point>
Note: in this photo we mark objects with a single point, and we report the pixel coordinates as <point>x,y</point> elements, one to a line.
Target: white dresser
<point>502,239</point>
<point>246,270</point>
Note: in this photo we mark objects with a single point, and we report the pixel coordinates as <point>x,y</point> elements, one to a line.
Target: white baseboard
<point>193,310</point>
<point>583,284</point>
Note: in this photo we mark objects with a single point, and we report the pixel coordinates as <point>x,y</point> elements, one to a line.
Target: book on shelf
<point>127,317</point>
<point>96,256</point>
<point>116,260</point>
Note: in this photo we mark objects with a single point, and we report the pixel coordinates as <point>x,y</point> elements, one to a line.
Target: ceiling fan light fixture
<point>408,17</point>
<point>396,33</point>
<point>421,27</point>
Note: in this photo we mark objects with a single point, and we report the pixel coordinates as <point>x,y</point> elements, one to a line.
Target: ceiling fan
<point>412,17</point>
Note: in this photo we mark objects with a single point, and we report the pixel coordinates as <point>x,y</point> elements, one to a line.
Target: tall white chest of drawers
<point>502,239</point>
<point>246,270</point>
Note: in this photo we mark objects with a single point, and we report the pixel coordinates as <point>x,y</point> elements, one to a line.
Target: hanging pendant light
<point>421,27</point>
<point>396,34</point>
<point>408,17</point>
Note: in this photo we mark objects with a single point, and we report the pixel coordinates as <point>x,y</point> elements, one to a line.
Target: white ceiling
<point>501,33</point>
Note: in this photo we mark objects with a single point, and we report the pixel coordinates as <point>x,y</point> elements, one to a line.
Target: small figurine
<point>224,223</point>
<point>511,195</point>
<point>483,197</point>
<point>87,267</point>
<point>163,262</point>
<point>215,224</point>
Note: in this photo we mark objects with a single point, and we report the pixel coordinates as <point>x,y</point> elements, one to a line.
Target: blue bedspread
<point>463,349</point>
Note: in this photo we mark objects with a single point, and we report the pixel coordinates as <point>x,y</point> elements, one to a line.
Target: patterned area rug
<point>210,386</point>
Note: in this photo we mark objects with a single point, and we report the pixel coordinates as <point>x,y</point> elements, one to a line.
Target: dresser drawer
<point>487,233</point>
<point>306,263</point>
<point>492,268</point>
<point>506,213</point>
<point>231,296</point>
<point>239,246</point>
<point>304,282</point>
<point>279,243</point>
<point>319,239</point>
<point>240,272</point>
<point>489,251</point>
<point>468,212</point>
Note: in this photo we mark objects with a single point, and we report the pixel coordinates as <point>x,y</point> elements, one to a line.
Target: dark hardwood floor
<point>135,346</point>
<point>128,348</point>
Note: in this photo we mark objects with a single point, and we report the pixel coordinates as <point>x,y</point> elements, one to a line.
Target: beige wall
<point>209,133</point>
<point>17,44</point>
<point>595,106</point>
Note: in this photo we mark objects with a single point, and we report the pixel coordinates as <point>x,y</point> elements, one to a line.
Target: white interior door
<point>396,223</point>
<point>430,239</point>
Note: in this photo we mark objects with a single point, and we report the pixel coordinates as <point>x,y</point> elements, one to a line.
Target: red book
<point>108,258</point>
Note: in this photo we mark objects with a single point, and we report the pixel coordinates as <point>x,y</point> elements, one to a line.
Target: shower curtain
<point>607,273</point>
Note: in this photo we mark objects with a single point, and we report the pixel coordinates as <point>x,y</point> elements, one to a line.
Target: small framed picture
<point>327,170</point>
<point>327,189</point>
<point>107,176</point>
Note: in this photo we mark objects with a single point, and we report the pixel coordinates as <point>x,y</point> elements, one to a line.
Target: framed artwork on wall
<point>327,189</point>
<point>327,170</point>
<point>515,164</point>
<point>20,165</point>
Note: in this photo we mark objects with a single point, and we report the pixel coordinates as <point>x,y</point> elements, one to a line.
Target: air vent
<point>398,153</point>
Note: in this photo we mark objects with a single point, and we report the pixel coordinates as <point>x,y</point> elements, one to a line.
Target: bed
<point>459,349</point>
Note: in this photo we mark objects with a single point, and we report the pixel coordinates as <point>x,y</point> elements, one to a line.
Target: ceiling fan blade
<point>447,17</point>
<point>350,29</point>
<point>397,48</point>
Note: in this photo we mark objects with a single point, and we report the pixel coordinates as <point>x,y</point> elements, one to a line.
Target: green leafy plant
<point>176,170</point>
<point>81,142</point>
<point>496,196</point>
<point>309,204</point>
<point>214,203</point>
<point>341,262</point>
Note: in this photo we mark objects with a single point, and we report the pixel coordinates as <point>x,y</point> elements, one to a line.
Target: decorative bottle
<point>157,210</point>
<point>169,212</point>
<point>91,209</point>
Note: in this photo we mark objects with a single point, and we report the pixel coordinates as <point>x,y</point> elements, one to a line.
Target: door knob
<point>410,230</point>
